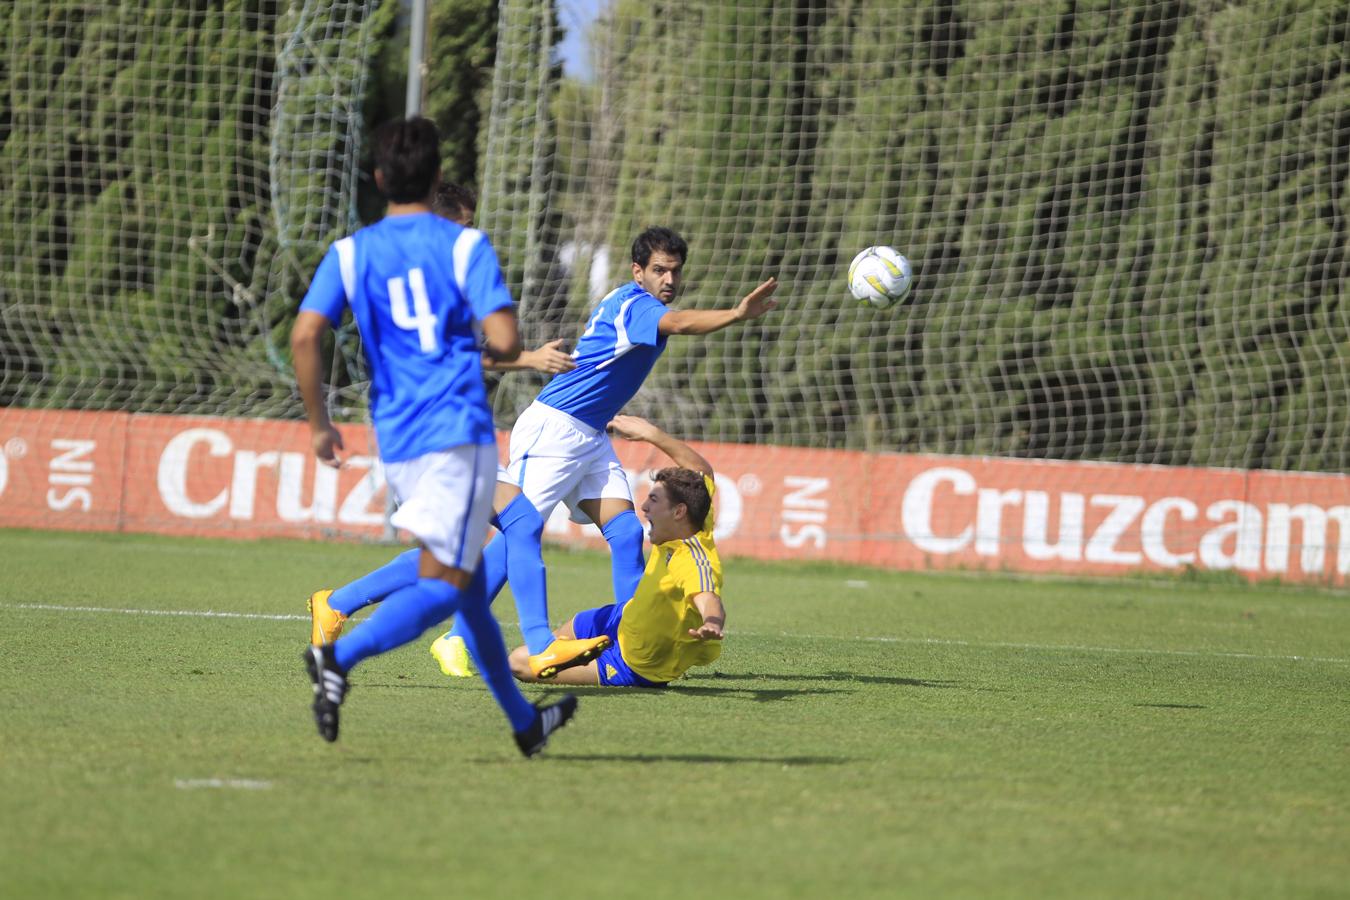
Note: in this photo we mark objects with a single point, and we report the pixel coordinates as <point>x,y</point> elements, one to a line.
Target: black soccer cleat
<point>330,687</point>
<point>549,719</point>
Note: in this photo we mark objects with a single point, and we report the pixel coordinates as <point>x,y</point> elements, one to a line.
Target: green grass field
<point>865,734</point>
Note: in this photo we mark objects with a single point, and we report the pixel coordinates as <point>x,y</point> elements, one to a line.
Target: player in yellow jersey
<point>675,618</point>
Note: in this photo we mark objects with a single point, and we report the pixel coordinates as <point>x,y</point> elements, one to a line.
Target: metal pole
<point>415,53</point>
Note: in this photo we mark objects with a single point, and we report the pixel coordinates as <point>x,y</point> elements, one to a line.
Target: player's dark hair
<point>658,238</point>
<point>686,486</point>
<point>455,201</point>
<point>408,154</point>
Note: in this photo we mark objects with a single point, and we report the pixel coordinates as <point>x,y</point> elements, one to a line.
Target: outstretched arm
<point>705,321</point>
<point>549,359</point>
<point>636,428</point>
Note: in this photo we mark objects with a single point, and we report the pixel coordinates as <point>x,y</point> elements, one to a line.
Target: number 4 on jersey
<point>420,317</point>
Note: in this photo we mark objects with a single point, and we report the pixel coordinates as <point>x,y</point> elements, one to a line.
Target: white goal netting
<point>172,172</point>
<point>1127,221</point>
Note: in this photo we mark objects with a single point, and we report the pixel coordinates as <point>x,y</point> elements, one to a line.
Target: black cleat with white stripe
<point>549,719</point>
<point>330,687</point>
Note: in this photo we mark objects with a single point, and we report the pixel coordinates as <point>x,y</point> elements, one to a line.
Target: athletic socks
<point>624,534</point>
<point>484,638</point>
<point>523,531</point>
<point>407,612</point>
<point>399,619</point>
<point>400,572</point>
<point>515,555</point>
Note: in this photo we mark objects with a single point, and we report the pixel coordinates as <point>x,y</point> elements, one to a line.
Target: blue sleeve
<point>486,289</point>
<point>641,320</point>
<point>326,294</point>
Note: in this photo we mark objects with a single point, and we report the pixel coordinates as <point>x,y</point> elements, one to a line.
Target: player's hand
<point>551,358</point>
<point>710,630</point>
<point>326,442</point>
<point>633,428</point>
<point>757,302</point>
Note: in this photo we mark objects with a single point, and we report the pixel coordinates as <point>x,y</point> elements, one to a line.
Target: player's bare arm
<point>307,357</point>
<point>636,428</point>
<point>548,358</point>
<point>709,605</point>
<point>705,321</point>
<point>501,336</point>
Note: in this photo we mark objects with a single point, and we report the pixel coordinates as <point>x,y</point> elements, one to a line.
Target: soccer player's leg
<point>514,554</point>
<point>329,610</point>
<point>545,481</point>
<point>607,500</point>
<point>591,628</point>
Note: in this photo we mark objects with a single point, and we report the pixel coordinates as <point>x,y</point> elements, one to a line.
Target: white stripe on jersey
<point>464,247</point>
<point>346,251</point>
<point>621,342</point>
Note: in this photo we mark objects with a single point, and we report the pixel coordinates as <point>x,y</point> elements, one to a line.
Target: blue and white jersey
<point>619,347</point>
<point>417,286</point>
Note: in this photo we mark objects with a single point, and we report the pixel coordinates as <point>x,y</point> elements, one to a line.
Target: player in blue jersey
<point>516,553</point>
<point>560,452</point>
<point>422,290</point>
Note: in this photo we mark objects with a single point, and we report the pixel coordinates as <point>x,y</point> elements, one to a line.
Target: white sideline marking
<point>942,642</point>
<point>244,784</point>
<point>190,613</point>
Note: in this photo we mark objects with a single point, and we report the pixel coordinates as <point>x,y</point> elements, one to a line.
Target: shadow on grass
<point>711,758</point>
<point>843,677</point>
<point>1171,706</point>
<point>759,695</point>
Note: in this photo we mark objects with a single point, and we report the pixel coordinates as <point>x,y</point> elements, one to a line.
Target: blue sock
<point>523,530</point>
<point>484,637</point>
<point>493,570</point>
<point>400,619</point>
<point>624,534</point>
<point>399,572</point>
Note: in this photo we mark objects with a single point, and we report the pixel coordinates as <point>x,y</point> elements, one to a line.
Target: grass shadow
<point>832,677</point>
<point>699,758</point>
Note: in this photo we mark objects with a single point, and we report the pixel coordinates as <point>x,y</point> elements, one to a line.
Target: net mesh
<point>1127,220</point>
<point>173,172</point>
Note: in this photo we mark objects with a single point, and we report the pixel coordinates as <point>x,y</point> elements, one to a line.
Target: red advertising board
<point>254,478</point>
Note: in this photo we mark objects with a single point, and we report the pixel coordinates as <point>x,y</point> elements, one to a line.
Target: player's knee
<point>520,520</point>
<point>624,530</point>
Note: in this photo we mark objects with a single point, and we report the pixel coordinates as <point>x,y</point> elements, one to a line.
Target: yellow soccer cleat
<point>453,656</point>
<point>325,622</point>
<point>564,653</point>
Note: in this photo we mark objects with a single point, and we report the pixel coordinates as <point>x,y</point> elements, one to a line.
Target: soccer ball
<point>880,277</point>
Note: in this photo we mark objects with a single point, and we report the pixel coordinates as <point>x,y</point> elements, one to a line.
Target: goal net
<point>172,174</point>
<point>1128,221</point>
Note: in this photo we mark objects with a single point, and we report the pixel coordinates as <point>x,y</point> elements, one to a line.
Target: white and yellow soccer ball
<point>880,277</point>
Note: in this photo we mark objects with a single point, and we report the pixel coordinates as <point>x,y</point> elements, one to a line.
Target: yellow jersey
<point>654,627</point>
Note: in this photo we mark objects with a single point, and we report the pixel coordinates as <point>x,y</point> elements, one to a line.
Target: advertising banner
<point>252,478</point>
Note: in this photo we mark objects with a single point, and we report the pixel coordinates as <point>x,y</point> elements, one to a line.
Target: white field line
<point>189,613</point>
<point>939,642</point>
<point>243,784</point>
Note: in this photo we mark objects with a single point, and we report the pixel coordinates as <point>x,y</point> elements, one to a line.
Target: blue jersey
<point>619,347</point>
<point>417,286</point>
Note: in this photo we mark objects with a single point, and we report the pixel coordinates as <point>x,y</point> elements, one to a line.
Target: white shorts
<point>445,500</point>
<point>556,458</point>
